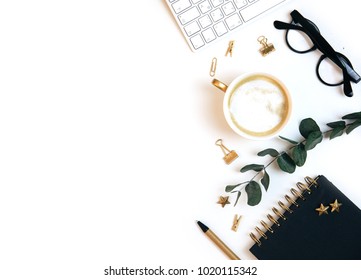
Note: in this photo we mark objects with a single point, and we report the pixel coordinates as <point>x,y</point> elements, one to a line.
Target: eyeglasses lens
<point>328,72</point>
<point>298,41</point>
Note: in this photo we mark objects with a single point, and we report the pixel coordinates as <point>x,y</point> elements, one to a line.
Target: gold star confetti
<point>322,209</point>
<point>223,200</point>
<point>335,206</point>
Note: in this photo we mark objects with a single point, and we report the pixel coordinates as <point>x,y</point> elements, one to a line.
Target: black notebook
<point>316,222</point>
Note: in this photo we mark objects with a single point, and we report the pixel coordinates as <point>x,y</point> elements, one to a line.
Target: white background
<point>108,125</point>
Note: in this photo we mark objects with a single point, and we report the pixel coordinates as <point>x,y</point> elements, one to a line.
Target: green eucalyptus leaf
<point>254,193</point>
<point>286,163</point>
<point>289,140</point>
<point>230,188</point>
<point>336,132</point>
<point>352,126</point>
<point>271,152</point>
<point>338,128</point>
<point>313,139</point>
<point>337,124</point>
<point>352,116</point>
<point>307,126</point>
<point>238,196</point>
<point>255,167</point>
<point>299,154</point>
<point>265,180</point>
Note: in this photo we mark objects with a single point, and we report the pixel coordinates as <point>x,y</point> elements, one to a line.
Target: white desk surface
<point>108,126</point>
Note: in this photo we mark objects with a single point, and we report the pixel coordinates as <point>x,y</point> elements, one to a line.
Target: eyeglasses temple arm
<point>283,25</point>
<point>352,73</point>
<point>347,89</point>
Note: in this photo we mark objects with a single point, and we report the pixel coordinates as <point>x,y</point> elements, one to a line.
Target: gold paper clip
<point>229,156</point>
<point>266,48</point>
<point>236,221</point>
<point>230,48</point>
<point>213,69</point>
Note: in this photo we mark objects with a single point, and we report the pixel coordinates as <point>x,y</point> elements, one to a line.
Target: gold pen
<point>217,241</point>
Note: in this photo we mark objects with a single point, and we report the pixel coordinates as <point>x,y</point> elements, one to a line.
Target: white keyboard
<point>204,22</point>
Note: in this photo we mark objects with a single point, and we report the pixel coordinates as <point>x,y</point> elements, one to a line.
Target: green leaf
<point>352,116</point>
<point>286,163</point>
<point>299,154</point>
<point>254,193</point>
<point>271,152</point>
<point>265,180</point>
<point>289,140</point>
<point>353,126</point>
<point>255,167</point>
<point>337,124</point>
<point>230,188</point>
<point>238,196</point>
<point>313,139</point>
<point>337,131</point>
<point>338,128</point>
<point>307,126</point>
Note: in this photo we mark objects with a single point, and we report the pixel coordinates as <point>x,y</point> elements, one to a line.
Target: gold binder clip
<point>229,156</point>
<point>266,48</point>
<point>236,221</point>
<point>230,48</point>
<point>213,69</point>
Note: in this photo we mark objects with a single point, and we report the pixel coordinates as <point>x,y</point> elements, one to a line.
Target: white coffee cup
<point>256,105</point>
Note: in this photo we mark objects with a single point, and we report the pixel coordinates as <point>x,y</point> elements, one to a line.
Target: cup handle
<point>223,87</point>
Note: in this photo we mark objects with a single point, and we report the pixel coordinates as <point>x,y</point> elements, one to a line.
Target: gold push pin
<point>229,156</point>
<point>213,69</point>
<point>230,48</point>
<point>236,221</point>
<point>266,48</point>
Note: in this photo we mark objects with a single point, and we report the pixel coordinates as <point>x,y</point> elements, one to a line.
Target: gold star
<point>335,206</point>
<point>322,209</point>
<point>223,200</point>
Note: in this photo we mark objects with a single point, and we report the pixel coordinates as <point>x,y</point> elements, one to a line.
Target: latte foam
<point>258,106</point>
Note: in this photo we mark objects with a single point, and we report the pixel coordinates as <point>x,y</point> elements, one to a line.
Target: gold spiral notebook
<point>315,222</point>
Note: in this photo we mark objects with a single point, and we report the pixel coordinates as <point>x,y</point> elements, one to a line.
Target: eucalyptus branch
<point>295,156</point>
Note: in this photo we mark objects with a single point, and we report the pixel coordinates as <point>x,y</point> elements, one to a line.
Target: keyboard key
<point>181,5</point>
<point>209,35</point>
<point>205,6</point>
<point>233,21</point>
<point>197,41</point>
<point>220,28</point>
<point>228,8</point>
<point>192,28</point>
<point>216,3</point>
<point>205,21</point>
<point>196,1</point>
<point>189,15</point>
<point>240,3</point>
<point>216,15</point>
<point>257,8</point>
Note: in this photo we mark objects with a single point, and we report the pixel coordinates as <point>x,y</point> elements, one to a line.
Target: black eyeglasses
<point>306,26</point>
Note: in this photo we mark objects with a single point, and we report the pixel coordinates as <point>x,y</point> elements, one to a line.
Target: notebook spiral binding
<point>298,193</point>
